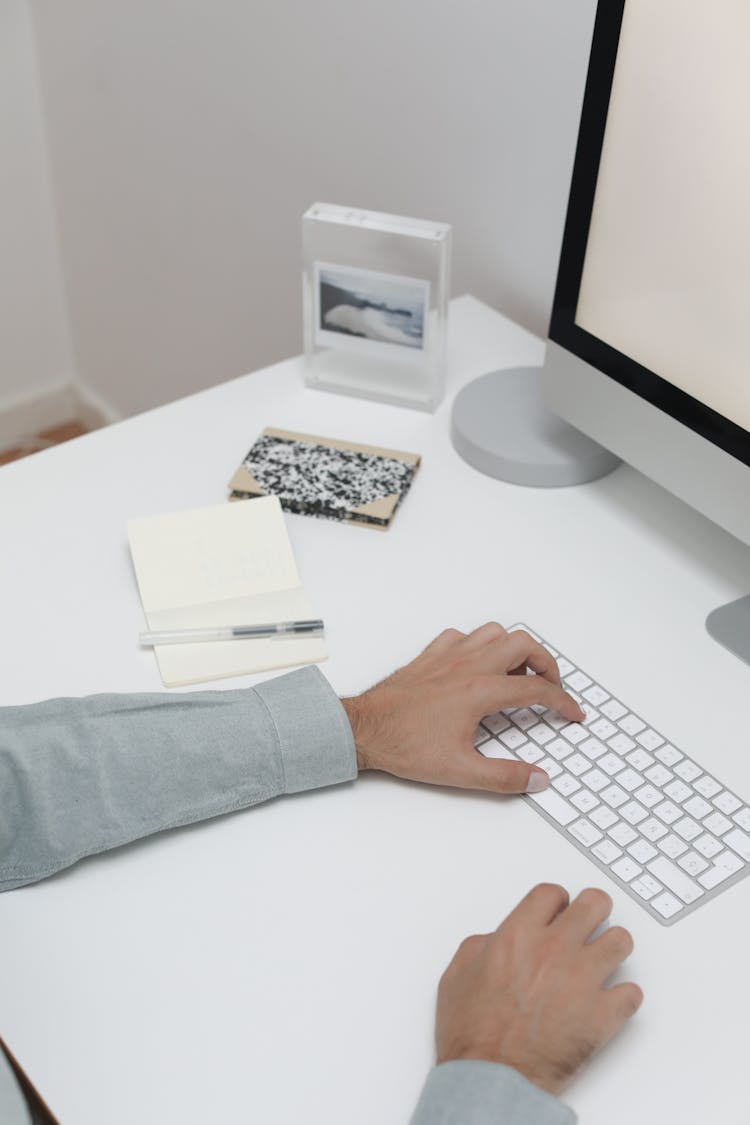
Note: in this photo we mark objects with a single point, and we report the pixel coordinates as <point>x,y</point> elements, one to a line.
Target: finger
<point>521,650</point>
<point>495,693</point>
<point>610,950</point>
<point>541,906</point>
<point>620,1003</point>
<point>500,775</point>
<point>587,911</point>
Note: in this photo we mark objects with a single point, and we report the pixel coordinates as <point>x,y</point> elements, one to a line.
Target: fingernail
<point>538,780</point>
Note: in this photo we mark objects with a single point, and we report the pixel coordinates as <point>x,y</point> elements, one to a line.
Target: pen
<point>312,628</point>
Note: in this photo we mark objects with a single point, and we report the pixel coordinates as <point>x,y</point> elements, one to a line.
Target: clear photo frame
<point>375,292</point>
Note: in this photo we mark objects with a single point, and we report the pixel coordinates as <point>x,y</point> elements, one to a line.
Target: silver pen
<point>297,629</point>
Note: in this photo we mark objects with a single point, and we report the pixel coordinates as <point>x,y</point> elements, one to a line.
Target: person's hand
<point>532,994</point>
<point>419,723</point>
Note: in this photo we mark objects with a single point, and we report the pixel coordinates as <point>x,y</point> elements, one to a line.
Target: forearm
<point>80,776</point>
<point>473,1092</point>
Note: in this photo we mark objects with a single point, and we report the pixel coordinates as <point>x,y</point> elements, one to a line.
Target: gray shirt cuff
<point>472,1092</point>
<point>314,735</point>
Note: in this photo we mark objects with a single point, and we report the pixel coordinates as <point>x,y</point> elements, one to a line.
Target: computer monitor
<point>649,350</point>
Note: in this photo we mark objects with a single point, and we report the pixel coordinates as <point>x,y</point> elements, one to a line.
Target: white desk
<point>280,965</point>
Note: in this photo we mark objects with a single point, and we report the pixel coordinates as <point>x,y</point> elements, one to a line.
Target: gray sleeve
<point>79,776</point>
<point>471,1092</point>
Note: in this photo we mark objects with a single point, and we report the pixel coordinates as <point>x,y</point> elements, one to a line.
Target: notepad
<point>226,565</point>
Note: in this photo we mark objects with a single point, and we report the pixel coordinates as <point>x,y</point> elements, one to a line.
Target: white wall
<point>188,136</point>
<point>35,351</point>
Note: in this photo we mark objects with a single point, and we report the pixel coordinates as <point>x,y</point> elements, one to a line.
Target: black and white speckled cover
<point>325,477</point>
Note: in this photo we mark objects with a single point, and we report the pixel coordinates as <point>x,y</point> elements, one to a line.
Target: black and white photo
<point>386,309</point>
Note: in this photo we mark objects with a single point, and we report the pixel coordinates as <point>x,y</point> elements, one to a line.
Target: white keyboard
<point>662,827</point>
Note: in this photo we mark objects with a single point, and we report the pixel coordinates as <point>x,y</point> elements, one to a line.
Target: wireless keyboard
<point>667,831</point>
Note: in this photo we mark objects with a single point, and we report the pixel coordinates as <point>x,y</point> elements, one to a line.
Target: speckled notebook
<point>327,478</point>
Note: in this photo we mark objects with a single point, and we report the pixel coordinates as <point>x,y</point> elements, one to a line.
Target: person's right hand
<point>532,995</point>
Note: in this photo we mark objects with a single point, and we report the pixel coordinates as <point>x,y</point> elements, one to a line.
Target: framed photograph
<point>375,289</point>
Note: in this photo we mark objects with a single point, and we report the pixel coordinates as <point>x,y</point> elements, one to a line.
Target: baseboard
<point>57,404</point>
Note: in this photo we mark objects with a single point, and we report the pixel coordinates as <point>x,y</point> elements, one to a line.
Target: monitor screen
<point>653,286</point>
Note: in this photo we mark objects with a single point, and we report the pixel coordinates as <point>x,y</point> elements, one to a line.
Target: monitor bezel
<point>641,380</point>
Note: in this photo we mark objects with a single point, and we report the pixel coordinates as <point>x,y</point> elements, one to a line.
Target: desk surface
<point>280,965</point>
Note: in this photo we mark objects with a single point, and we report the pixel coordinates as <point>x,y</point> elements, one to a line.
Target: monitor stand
<point>501,426</point>
<point>730,626</point>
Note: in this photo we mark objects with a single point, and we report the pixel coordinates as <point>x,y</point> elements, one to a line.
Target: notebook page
<point>231,564</point>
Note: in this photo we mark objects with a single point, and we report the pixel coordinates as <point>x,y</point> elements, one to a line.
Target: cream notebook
<point>226,565</point>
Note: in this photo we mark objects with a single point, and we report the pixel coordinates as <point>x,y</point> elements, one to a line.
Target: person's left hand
<point>419,723</point>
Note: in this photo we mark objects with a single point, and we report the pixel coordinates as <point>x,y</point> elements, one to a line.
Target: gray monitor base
<point>501,426</point>
<point>730,626</point>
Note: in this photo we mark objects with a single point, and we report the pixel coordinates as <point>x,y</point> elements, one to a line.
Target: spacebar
<point>553,804</point>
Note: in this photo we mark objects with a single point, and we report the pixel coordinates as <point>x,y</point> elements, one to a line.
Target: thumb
<point>506,776</point>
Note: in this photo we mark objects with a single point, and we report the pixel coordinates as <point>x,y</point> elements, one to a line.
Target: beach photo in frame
<point>375,290</point>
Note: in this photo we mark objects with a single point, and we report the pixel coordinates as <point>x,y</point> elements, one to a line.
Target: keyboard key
<point>564,667</point>
<point>697,807</point>
<point>559,749</point>
<point>603,817</point>
<point>495,749</point>
<point>585,832</point>
<point>672,846</point>
<point>620,743</point>
<point>557,722</point>
<point>629,780</point>
<point>727,803</point>
<point>584,800</point>
<point>614,796</point>
<point>678,791</point>
<point>678,881</point>
<point>602,728</point>
<point>613,710</point>
<point>512,738</point>
<point>631,724</point>
<point>566,784</point>
<point>707,787</point>
<point>649,796</point>
<point>626,869</point>
<point>668,812</point>
<point>623,834</point>
<point>606,851</point>
<point>577,764</point>
<point>649,739</point>
<point>542,734</point>
<point>668,756</point>
<point>480,735</point>
<point>529,752</point>
<point>687,828</point>
<point>658,775</point>
<point>611,764</point>
<point>577,681</point>
<point>592,748</point>
<point>646,886</point>
<point>707,846</point>
<point>642,851</point>
<point>725,865</point>
<point>693,863</point>
<point>687,770</point>
<point>667,905</point>
<point>551,767</point>
<point>595,780</point>
<point>742,818</point>
<point>633,812</point>
<point>497,722</point>
<point>717,823</point>
<point>739,842</point>
<point>555,805</point>
<point>524,718</point>
<point>574,733</point>
<point>639,759</point>
<point>652,829</point>
<point>595,695</point>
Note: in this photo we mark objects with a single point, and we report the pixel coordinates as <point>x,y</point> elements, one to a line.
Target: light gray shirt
<point>80,776</point>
